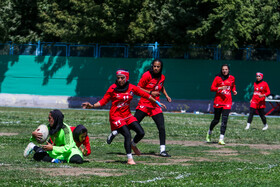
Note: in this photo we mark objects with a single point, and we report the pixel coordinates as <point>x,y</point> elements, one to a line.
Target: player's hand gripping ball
<point>45,133</point>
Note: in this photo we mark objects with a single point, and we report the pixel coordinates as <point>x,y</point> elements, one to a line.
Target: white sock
<point>114,132</point>
<point>129,155</point>
<point>209,132</point>
<point>133,143</point>
<point>222,137</point>
<point>248,124</point>
<point>162,148</point>
<point>265,125</point>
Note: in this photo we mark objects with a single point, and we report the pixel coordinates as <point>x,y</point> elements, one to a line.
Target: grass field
<point>250,158</point>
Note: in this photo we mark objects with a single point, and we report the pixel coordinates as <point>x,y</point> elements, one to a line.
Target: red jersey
<point>223,97</point>
<point>85,143</point>
<point>120,109</point>
<point>259,88</point>
<point>150,84</point>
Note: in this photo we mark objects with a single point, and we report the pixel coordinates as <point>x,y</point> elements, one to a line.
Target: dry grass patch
<point>79,171</point>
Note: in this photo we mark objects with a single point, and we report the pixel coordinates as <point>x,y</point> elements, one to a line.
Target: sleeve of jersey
<point>68,143</point>
<point>87,145</point>
<point>141,93</point>
<point>214,87</point>
<point>106,98</point>
<point>143,81</point>
<point>267,90</point>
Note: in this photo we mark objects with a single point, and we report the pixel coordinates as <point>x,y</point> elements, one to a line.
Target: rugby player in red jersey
<point>121,119</point>
<point>261,90</point>
<point>223,85</point>
<point>152,81</point>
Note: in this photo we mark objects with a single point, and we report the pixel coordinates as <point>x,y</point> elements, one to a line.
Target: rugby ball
<point>45,132</point>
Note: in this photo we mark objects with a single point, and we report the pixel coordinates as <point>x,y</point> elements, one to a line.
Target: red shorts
<point>150,111</point>
<point>222,106</point>
<point>257,105</point>
<point>119,122</point>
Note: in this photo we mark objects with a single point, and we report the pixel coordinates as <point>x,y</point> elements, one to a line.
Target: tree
<point>231,23</point>
<point>268,26</point>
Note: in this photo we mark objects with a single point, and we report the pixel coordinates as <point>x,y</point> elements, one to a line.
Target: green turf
<point>250,158</point>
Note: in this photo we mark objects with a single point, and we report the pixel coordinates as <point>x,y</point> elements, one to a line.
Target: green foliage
<point>226,23</point>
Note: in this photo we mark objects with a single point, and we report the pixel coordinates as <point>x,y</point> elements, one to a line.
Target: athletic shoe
<point>136,150</point>
<point>164,154</point>
<point>130,161</point>
<point>208,138</point>
<point>221,142</point>
<point>28,150</point>
<point>57,161</point>
<point>247,127</point>
<point>265,127</point>
<point>110,138</point>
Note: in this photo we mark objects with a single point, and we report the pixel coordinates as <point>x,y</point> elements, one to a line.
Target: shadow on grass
<point>211,142</point>
<point>117,161</point>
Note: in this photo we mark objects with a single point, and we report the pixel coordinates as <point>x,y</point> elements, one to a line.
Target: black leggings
<point>158,119</point>
<point>261,114</point>
<point>136,127</point>
<point>217,114</point>
<point>41,154</point>
<point>124,130</point>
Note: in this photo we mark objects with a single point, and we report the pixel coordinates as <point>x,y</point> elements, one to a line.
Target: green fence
<point>77,76</point>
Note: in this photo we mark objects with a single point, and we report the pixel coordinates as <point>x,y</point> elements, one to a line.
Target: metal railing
<point>150,50</point>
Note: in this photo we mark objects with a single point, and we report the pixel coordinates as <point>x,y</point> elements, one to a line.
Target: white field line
<point>181,176</point>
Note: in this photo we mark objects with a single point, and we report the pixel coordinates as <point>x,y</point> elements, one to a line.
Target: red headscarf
<point>124,73</point>
<point>259,74</point>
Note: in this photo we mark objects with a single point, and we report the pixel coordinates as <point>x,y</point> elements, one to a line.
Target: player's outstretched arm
<point>87,105</point>
<point>158,103</point>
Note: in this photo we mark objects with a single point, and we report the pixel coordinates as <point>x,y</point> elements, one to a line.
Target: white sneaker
<point>247,127</point>
<point>28,150</point>
<point>265,127</point>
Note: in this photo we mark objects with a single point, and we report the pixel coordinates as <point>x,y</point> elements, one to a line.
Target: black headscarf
<point>156,75</point>
<point>121,88</point>
<point>58,121</point>
<point>224,77</point>
<point>257,82</point>
<point>77,131</point>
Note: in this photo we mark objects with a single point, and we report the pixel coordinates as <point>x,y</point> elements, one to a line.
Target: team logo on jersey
<point>257,89</point>
<point>156,88</point>
<point>131,93</point>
